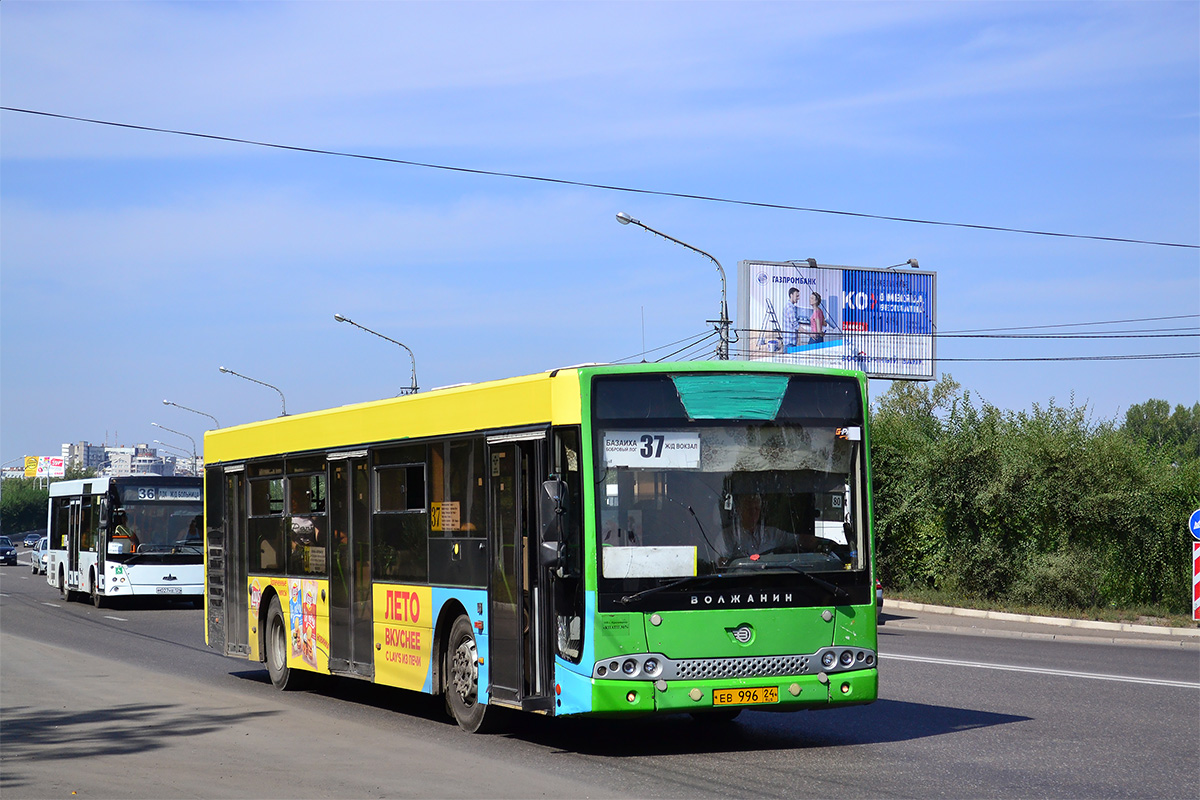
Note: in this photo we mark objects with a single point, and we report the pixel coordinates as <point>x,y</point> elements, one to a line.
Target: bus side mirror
<point>553,508</point>
<point>556,492</point>
<point>550,554</point>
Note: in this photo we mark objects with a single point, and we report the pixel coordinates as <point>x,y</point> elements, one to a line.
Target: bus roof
<point>551,397</point>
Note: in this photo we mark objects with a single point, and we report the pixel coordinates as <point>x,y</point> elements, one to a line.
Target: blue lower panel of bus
<point>582,694</point>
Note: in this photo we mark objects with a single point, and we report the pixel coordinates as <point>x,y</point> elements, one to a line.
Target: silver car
<point>40,556</point>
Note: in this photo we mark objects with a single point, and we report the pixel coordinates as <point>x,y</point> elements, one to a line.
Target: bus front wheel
<point>276,645</point>
<point>462,685</point>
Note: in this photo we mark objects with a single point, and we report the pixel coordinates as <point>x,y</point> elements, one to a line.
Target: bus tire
<point>97,595</point>
<point>276,645</point>
<point>65,593</point>
<point>462,678</point>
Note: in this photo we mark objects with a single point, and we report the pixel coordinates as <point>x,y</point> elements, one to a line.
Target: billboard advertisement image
<point>44,467</point>
<point>881,321</point>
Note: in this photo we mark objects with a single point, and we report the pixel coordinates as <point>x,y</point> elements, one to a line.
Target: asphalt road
<point>129,702</point>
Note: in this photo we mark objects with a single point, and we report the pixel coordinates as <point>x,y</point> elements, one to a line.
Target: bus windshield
<point>749,498</point>
<point>157,527</point>
<point>682,492</point>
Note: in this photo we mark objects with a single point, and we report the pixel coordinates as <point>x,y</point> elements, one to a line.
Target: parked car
<point>40,557</point>
<point>32,538</point>
<point>8,553</point>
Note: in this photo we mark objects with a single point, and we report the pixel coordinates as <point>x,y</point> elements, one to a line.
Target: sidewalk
<point>922,616</point>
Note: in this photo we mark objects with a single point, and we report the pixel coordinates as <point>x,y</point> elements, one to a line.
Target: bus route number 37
<point>741,697</point>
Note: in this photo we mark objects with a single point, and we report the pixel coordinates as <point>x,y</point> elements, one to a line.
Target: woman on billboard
<point>816,323</point>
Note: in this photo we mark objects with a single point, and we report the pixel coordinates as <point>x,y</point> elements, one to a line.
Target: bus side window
<point>401,523</point>
<point>308,539</point>
<point>266,524</point>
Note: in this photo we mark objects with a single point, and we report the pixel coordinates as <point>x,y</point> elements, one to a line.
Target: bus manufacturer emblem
<point>742,633</point>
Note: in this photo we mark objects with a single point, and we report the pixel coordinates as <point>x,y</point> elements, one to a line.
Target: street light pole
<point>194,411</point>
<point>178,449</point>
<point>411,389</point>
<point>282,399</point>
<point>723,345</point>
<point>195,457</point>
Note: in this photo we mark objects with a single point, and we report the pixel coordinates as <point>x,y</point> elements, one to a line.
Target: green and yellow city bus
<point>596,540</point>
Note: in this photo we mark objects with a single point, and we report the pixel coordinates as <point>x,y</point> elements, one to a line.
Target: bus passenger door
<point>236,588</point>
<point>351,629</point>
<point>520,658</point>
<point>73,536</point>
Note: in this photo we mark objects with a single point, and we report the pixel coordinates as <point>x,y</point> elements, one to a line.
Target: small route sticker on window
<point>652,449</point>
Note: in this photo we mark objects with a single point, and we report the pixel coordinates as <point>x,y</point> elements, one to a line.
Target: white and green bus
<point>125,537</point>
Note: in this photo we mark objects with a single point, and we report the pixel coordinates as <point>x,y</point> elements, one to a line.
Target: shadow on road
<point>881,722</point>
<point>755,731</point>
<point>131,729</point>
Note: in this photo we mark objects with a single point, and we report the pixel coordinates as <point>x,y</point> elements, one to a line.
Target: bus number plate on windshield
<point>744,697</point>
<point>169,590</point>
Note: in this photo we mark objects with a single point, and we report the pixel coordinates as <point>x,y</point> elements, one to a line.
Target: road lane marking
<point>1063,673</point>
<point>118,619</point>
<point>52,605</point>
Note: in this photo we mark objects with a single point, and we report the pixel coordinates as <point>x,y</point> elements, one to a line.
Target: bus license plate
<point>745,697</point>
<point>169,590</point>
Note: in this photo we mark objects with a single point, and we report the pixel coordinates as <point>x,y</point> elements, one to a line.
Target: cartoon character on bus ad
<point>302,619</point>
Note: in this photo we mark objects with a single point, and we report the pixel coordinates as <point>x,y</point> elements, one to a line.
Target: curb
<point>1062,622</point>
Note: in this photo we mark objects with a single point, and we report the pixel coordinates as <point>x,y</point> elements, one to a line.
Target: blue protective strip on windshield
<point>731,396</point>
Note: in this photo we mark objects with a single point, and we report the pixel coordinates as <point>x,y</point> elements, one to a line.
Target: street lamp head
<point>912,262</point>
<point>812,262</point>
<point>624,218</point>
<point>340,318</point>
<point>222,369</point>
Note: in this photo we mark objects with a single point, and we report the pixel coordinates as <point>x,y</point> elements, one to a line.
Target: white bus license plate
<point>169,590</point>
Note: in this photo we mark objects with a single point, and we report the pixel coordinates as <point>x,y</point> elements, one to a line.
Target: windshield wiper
<point>629,598</point>
<point>832,588</point>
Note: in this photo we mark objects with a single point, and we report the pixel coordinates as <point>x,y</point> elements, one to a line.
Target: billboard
<point>44,467</point>
<point>881,321</point>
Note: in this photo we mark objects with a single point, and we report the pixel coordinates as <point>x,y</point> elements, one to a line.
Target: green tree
<point>1040,507</point>
<point>23,504</point>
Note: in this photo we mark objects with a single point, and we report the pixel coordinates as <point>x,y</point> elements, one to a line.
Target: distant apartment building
<point>119,461</point>
<point>83,455</point>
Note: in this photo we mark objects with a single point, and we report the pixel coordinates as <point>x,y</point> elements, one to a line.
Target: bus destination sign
<point>170,494</point>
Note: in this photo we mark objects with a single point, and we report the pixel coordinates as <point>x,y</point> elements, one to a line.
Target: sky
<point>134,264</point>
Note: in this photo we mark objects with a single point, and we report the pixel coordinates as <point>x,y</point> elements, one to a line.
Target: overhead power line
<point>837,361</point>
<point>1064,336</point>
<point>1138,357</point>
<point>606,187</point>
<point>1077,324</point>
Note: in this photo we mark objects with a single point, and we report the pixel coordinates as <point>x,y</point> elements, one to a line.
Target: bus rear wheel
<point>462,684</point>
<point>276,645</point>
<point>97,595</point>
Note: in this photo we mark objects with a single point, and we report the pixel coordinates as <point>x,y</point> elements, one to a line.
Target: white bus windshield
<point>149,527</point>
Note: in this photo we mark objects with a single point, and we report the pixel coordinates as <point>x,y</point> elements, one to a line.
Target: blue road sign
<point>1194,524</point>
